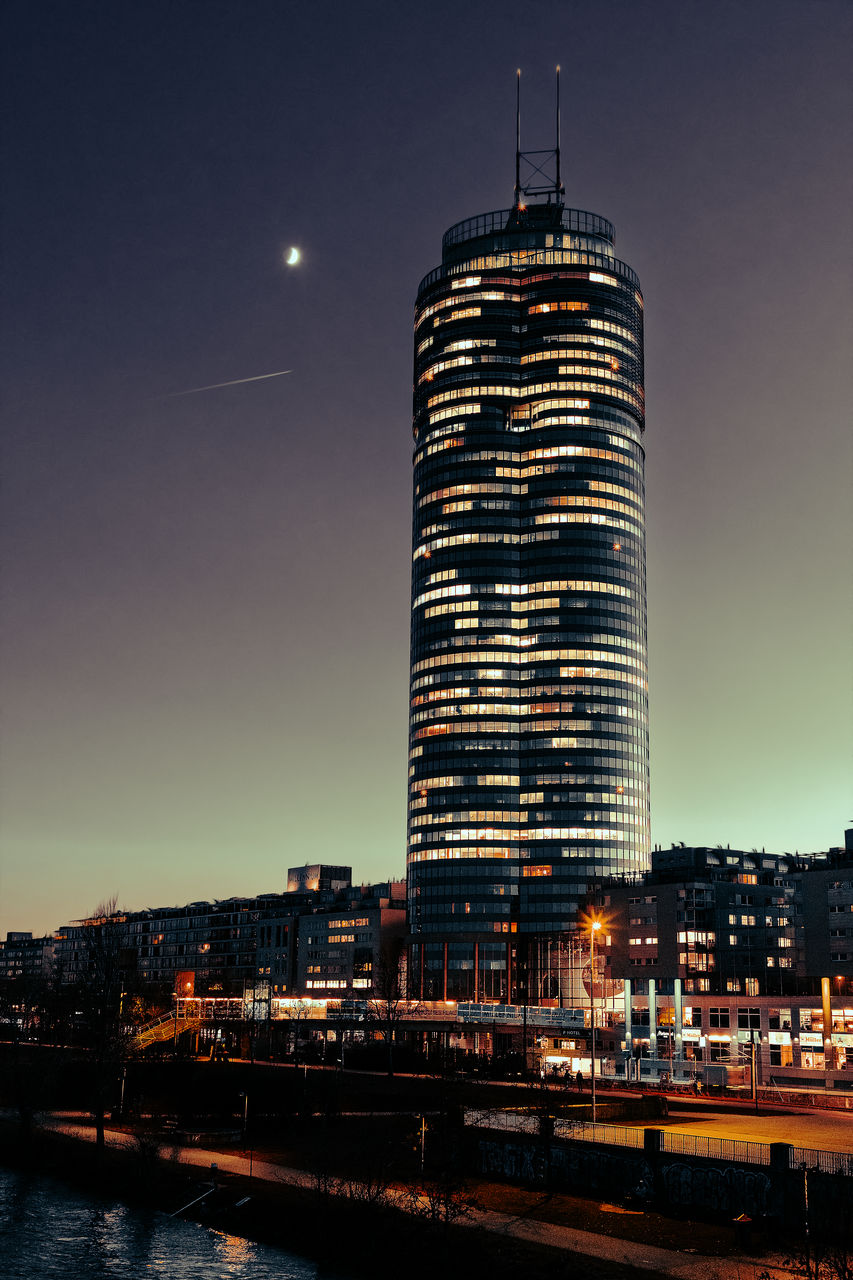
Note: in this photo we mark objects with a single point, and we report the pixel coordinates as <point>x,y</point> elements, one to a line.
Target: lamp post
<point>594,928</point>
<point>245,1100</point>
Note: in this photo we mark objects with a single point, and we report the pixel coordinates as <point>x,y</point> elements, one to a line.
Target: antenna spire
<point>542,175</point>
<point>517,199</point>
<point>559,183</point>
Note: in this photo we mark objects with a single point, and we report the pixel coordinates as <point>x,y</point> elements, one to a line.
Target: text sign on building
<point>811,1039</point>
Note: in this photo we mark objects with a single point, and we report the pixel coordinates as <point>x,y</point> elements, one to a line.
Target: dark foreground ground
<point>359,1132</point>
<point>358,1236</point>
<point>354,1146</point>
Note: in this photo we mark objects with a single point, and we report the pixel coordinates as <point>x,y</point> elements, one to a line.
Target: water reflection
<point>234,1249</point>
<point>48,1231</point>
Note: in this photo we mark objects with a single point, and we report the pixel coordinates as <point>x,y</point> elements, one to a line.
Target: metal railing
<point>155,1023</point>
<point>509,1121</point>
<point>615,1135</point>
<point>517,1015</point>
<point>825,1161</point>
<point>211,1008</point>
<point>487,224</point>
<point>167,1026</point>
<point>707,1148</point>
<point>700,1146</point>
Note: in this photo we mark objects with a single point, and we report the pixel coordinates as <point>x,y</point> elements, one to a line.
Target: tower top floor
<point>529,235</point>
<point>525,219</point>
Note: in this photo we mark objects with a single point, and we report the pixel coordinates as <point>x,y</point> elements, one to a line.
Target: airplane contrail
<point>214,386</point>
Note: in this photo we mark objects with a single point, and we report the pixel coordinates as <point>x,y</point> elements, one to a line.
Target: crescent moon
<point>292,258</point>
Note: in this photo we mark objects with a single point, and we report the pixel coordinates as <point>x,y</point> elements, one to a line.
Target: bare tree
<point>296,1012</point>
<point>388,1007</point>
<point>21,1007</point>
<point>440,1196</point>
<point>26,1072</point>
<point>101,973</point>
<point>58,1004</point>
<point>816,1259</point>
<point>368,1183</point>
<point>439,1201</point>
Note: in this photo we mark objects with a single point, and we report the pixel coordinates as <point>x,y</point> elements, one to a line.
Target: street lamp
<point>245,1098</point>
<point>594,928</point>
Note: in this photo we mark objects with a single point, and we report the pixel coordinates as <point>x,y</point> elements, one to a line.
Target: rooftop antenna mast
<point>517,198</point>
<point>559,184</point>
<point>542,173</point>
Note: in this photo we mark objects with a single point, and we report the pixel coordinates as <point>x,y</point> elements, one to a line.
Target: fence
<point>510,1121</point>
<point>728,1150</point>
<point>825,1161</point>
<point>616,1135</point>
<point>731,1150</point>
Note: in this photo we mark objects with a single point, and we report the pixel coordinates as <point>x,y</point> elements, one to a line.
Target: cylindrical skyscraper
<point>529,716</point>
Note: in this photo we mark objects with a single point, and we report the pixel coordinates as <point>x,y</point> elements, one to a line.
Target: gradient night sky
<point>205,609</point>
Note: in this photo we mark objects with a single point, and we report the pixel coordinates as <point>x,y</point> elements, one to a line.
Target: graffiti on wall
<point>729,1190</point>
<point>575,1166</point>
<point>520,1163</point>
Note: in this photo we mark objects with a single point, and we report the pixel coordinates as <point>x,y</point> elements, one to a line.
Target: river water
<point>48,1230</point>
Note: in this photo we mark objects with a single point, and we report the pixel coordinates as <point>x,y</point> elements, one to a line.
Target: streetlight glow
<point>594,924</point>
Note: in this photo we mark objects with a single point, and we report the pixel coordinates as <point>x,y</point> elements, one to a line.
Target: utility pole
<point>595,926</point>
<point>524,971</point>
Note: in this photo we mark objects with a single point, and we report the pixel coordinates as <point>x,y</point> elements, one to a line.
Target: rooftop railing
<point>486,224</point>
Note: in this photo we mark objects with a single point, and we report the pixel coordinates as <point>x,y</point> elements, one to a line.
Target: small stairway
<point>166,1027</point>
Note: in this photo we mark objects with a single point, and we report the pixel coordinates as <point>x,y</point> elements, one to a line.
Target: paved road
<point>681,1265</point>
<point>825,1130</point>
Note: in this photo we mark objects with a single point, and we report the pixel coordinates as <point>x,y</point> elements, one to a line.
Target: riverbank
<point>338,1222</point>
<point>357,1233</point>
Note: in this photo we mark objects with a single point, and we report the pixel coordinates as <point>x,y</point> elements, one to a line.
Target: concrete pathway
<point>671,1262</point>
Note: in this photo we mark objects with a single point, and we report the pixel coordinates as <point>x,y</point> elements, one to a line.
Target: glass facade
<point>528,764</point>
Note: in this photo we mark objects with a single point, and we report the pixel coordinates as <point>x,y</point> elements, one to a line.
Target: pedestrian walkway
<point>682,1265</point>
